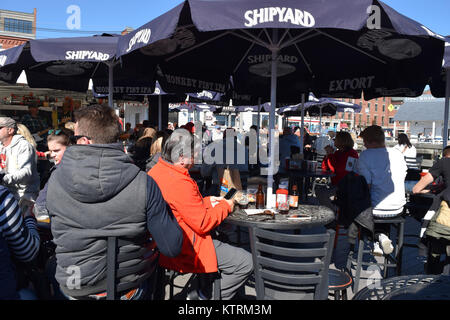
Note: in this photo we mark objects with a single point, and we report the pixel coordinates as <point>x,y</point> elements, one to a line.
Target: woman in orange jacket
<point>197,216</point>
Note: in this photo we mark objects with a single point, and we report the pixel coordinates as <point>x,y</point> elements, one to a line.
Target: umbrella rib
<point>252,38</point>
<point>301,37</point>
<point>198,45</point>
<point>350,46</point>
<point>282,38</point>
<point>245,55</point>
<point>308,65</point>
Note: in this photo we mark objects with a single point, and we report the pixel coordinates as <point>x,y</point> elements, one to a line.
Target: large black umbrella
<point>289,47</point>
<point>70,63</point>
<point>440,86</point>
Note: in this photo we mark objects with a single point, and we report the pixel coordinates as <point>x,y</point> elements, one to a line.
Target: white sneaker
<point>386,243</point>
<point>376,249</point>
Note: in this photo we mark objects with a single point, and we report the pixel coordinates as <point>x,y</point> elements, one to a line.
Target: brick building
<point>380,111</point>
<point>16,28</point>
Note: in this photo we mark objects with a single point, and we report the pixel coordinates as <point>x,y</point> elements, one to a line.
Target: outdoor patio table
<point>320,216</point>
<point>410,287</point>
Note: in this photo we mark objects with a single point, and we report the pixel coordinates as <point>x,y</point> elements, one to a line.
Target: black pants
<point>437,247</point>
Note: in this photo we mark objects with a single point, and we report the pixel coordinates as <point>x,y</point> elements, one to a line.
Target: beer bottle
<point>260,198</point>
<point>293,197</point>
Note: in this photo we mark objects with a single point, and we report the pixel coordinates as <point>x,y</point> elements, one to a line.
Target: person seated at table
<point>156,149</point>
<point>437,219</point>
<point>307,143</point>
<point>340,162</point>
<point>408,150</point>
<point>141,149</point>
<point>19,241</point>
<point>287,140</point>
<point>57,141</point>
<point>384,170</point>
<point>198,217</point>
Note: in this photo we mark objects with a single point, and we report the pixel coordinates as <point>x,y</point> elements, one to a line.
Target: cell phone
<point>230,194</point>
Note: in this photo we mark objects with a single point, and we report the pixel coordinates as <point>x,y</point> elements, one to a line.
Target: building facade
<point>16,28</point>
<point>380,111</point>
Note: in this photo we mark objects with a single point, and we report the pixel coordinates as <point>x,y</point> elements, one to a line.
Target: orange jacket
<point>194,214</point>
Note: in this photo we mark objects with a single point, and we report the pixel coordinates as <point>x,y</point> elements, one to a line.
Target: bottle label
<point>293,201</point>
<point>281,198</point>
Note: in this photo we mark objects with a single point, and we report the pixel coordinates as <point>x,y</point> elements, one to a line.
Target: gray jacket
<point>97,192</point>
<point>22,177</point>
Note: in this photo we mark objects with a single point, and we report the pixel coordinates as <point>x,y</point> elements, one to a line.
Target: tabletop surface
<point>320,216</point>
<point>410,287</point>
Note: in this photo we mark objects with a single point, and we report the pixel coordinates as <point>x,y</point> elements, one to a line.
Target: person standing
<point>20,174</point>
<point>97,192</point>
<point>37,125</point>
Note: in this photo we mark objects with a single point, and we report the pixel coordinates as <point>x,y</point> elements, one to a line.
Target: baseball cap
<point>8,122</point>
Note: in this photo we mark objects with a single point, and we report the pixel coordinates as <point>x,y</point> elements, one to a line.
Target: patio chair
<point>121,281</point>
<point>291,266</point>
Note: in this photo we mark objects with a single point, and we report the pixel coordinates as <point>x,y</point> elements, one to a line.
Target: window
<point>384,99</point>
<point>360,119</point>
<point>382,121</point>
<point>391,120</point>
<point>15,25</point>
<point>368,106</point>
<point>376,107</point>
<point>368,120</point>
<point>375,120</point>
<point>384,107</point>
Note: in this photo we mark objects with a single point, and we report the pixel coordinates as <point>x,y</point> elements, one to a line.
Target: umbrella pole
<point>320,122</point>
<point>302,123</point>
<point>447,95</point>
<point>159,112</point>
<point>273,103</point>
<point>110,83</point>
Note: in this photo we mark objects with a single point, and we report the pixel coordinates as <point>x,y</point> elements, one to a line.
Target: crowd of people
<point>147,196</point>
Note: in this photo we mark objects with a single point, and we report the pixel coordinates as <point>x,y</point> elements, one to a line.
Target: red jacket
<point>336,163</point>
<point>194,214</point>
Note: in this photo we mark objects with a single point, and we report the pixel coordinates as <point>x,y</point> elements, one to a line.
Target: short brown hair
<point>446,152</point>
<point>373,134</point>
<point>343,140</point>
<point>98,123</point>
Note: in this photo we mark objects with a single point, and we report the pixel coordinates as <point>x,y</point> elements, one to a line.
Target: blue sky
<point>107,15</point>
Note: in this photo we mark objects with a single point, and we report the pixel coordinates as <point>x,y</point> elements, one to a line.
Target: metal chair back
<point>291,265</point>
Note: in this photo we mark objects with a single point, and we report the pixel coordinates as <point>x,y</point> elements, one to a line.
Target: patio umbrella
<point>290,47</point>
<point>70,63</point>
<point>440,87</point>
<point>319,107</point>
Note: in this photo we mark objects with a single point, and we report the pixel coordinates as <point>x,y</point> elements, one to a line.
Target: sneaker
<point>386,243</point>
<point>195,295</point>
<point>377,250</point>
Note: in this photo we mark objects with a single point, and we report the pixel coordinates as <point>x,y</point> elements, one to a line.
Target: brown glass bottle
<point>260,198</point>
<point>293,197</point>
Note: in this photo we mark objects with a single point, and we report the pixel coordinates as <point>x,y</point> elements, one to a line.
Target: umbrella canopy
<point>320,107</point>
<point>287,48</point>
<point>438,82</point>
<point>321,45</point>
<point>192,107</point>
<point>70,63</point>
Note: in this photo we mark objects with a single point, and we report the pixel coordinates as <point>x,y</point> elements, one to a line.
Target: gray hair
<point>179,144</point>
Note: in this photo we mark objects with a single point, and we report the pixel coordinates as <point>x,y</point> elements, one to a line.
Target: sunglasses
<point>54,131</point>
<point>74,139</point>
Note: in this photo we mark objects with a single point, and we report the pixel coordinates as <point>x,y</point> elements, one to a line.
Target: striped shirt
<point>20,234</point>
